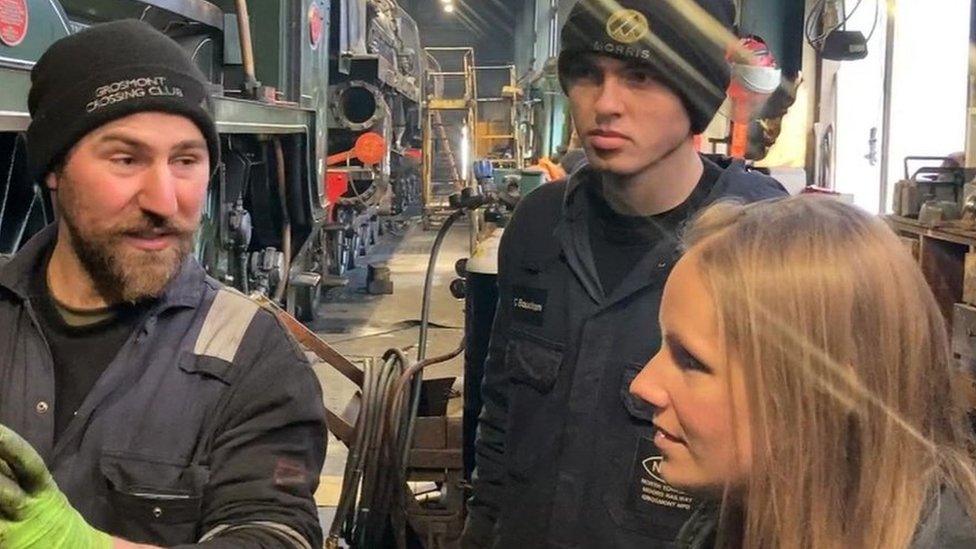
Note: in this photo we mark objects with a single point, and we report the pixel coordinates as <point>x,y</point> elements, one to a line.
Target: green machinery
<point>273,224</point>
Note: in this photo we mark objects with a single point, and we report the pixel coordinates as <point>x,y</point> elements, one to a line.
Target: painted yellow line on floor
<point>328,493</point>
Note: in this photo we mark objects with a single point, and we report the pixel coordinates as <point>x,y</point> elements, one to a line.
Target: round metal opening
<point>358,104</point>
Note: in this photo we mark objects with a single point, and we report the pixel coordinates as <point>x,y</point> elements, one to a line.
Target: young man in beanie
<point>564,453</point>
<point>140,401</point>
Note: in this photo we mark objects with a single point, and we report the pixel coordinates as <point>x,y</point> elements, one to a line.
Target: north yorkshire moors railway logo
<point>627,26</point>
<point>652,466</point>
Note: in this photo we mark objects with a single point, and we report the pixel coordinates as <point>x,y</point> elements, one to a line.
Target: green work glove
<point>34,514</point>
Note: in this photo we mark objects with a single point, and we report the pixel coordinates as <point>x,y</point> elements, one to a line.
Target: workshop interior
<point>373,153</point>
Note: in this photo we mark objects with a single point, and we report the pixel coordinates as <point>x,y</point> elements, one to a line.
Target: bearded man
<point>141,402</point>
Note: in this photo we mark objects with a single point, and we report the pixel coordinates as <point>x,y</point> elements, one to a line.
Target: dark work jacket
<point>945,526</point>
<point>208,420</point>
<point>564,452</point>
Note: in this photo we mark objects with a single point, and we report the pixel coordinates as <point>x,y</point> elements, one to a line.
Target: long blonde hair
<point>847,367</point>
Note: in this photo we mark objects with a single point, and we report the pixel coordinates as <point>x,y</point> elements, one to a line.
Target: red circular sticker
<point>316,23</point>
<point>13,21</point>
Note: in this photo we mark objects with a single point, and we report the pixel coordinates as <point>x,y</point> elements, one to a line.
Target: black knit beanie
<point>683,41</point>
<point>104,73</point>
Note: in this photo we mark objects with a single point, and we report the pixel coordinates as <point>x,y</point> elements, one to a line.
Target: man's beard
<point>120,272</point>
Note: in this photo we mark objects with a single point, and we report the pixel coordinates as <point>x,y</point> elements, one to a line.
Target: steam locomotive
<point>295,84</point>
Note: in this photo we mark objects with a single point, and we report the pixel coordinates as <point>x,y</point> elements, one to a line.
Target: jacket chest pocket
<point>533,360</point>
<point>637,408</point>
<point>534,364</point>
<point>639,501</point>
<point>153,502</point>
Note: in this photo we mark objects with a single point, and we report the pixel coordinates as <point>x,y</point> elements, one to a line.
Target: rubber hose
<point>425,321</point>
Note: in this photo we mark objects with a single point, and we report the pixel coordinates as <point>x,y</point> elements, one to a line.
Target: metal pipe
<point>493,67</point>
<point>247,46</point>
<point>886,116</point>
<point>285,219</point>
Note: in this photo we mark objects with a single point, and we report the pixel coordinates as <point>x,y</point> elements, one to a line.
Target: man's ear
<point>51,180</point>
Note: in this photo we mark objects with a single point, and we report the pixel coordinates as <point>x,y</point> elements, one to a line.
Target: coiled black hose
<point>372,501</point>
<point>365,498</point>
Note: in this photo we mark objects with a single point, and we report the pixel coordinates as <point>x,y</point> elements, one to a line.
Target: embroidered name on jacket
<point>529,305</point>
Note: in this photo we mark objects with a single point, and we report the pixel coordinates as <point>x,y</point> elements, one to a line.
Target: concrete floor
<point>361,326</point>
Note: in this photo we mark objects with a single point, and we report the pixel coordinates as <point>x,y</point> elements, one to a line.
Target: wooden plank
<point>966,236</point>
<point>964,386</point>
<point>949,234</point>
<point>436,459</point>
<point>950,269</point>
<point>964,333</point>
<point>343,431</point>
<point>429,433</point>
<point>964,350</point>
<point>455,433</point>
<point>307,338</point>
<point>942,263</point>
<point>447,104</point>
<point>323,350</point>
<point>969,280</point>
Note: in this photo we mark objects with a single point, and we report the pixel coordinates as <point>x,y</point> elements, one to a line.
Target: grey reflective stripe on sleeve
<point>286,533</point>
<point>227,321</point>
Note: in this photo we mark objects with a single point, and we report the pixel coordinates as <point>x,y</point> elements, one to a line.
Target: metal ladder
<point>450,106</point>
<point>509,95</point>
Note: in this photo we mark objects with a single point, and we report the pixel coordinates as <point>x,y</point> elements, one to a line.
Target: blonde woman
<point>803,387</point>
